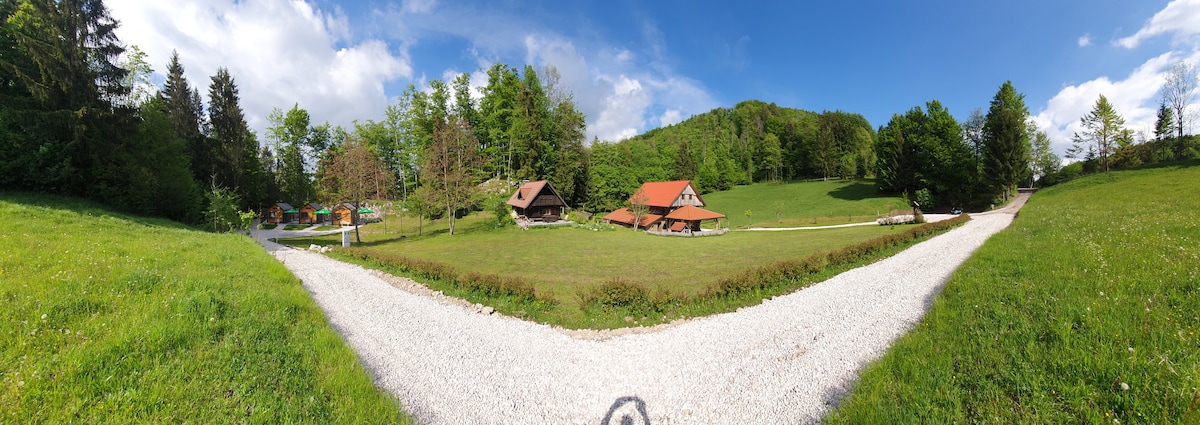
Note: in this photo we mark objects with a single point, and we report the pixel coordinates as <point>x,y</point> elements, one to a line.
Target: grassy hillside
<point>803,204</point>
<point>1086,310</point>
<point>116,319</point>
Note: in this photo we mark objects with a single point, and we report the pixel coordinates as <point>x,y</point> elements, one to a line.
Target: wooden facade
<point>308,214</point>
<point>276,213</point>
<point>345,215</point>
<point>538,201</point>
<point>673,206</point>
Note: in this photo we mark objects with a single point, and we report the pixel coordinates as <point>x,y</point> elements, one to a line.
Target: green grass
<point>803,204</point>
<point>296,226</point>
<point>565,265</point>
<point>115,319</point>
<point>562,261</point>
<point>1086,310</point>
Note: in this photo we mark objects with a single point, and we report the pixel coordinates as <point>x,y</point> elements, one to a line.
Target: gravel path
<point>787,360</point>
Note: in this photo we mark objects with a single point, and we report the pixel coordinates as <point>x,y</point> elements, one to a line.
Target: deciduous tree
<point>1103,126</point>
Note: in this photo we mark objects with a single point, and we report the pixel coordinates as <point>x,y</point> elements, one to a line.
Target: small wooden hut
<point>308,214</point>
<point>277,213</point>
<point>345,214</point>
<point>538,201</point>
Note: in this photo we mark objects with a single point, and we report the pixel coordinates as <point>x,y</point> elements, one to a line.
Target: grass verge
<point>1085,310</point>
<point>116,319</point>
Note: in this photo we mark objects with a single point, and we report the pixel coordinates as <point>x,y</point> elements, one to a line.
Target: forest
<point>78,116</point>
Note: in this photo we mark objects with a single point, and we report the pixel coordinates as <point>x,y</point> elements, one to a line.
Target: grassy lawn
<point>1104,330</point>
<point>803,204</point>
<point>564,264</point>
<point>562,261</point>
<point>116,319</point>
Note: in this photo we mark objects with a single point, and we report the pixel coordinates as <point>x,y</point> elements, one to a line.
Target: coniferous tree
<point>1005,142</point>
<point>183,107</point>
<point>236,159</point>
<point>1103,129</point>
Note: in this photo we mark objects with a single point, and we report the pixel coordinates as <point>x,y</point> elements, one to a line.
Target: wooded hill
<point>752,142</point>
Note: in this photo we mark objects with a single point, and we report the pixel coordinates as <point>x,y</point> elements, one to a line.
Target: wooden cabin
<point>308,214</point>
<point>345,214</point>
<point>670,206</point>
<point>538,201</point>
<point>276,213</point>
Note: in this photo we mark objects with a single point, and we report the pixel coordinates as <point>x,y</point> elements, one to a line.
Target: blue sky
<point>634,66</point>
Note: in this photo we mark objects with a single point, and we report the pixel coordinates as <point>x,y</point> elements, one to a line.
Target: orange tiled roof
<point>663,194</point>
<point>692,213</point>
<point>622,215</point>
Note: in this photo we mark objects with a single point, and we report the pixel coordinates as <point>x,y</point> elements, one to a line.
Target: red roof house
<point>673,206</point>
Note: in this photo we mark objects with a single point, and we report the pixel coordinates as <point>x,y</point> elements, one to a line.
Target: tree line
<point>80,118</point>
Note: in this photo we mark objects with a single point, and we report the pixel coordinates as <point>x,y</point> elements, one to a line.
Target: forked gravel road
<point>787,360</point>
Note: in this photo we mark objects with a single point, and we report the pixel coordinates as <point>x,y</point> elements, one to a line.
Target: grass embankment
<point>116,319</point>
<point>1086,310</point>
<point>815,203</point>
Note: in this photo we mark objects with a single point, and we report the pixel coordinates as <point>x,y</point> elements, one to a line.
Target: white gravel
<point>787,360</point>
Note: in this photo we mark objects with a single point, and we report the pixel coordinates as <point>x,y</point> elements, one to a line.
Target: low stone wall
<point>691,234</point>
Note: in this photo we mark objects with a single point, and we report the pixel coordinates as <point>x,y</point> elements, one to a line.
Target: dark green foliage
<point>754,141</point>
<point>925,150</point>
<point>236,158</point>
<point>1006,147</point>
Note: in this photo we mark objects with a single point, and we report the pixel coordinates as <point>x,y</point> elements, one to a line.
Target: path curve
<point>787,360</point>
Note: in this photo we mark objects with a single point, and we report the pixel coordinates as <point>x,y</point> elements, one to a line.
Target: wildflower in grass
<point>1124,387</point>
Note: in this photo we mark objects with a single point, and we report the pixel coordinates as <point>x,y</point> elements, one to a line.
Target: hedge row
<point>483,284</point>
<point>762,277</point>
<point>619,294</point>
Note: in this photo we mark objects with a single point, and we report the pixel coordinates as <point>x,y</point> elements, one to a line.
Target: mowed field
<point>109,318</point>
<point>1086,310</point>
<point>562,261</point>
<point>814,203</point>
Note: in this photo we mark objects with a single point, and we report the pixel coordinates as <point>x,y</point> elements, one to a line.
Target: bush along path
<point>786,360</point>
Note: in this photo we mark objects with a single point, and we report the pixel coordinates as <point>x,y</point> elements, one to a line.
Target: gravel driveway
<point>787,360</point>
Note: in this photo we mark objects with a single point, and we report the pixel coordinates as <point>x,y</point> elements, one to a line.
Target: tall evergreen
<point>182,105</point>
<point>1006,143</point>
<point>59,62</point>
<point>236,164</point>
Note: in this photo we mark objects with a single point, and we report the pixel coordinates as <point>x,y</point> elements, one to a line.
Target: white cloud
<point>1181,17</point>
<point>1135,98</point>
<point>623,113</point>
<point>279,52</point>
<point>1085,40</point>
<point>418,6</point>
<point>670,117</point>
<point>615,94</point>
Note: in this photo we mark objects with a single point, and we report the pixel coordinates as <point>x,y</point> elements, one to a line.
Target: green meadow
<point>566,266</point>
<point>117,319</point>
<point>815,203</point>
<point>1085,310</point>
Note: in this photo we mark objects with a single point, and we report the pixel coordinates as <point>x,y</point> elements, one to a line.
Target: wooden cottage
<point>345,215</point>
<point>538,201</point>
<point>308,214</point>
<point>670,206</point>
<point>278,213</point>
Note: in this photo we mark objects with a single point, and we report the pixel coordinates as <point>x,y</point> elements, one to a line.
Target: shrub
<point>496,286</point>
<point>616,293</point>
<point>760,278</point>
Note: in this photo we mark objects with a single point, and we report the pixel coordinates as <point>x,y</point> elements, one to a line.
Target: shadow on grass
<point>859,190</point>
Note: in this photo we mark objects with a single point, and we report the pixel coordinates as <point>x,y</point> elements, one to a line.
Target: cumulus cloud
<point>1180,17</point>
<point>617,95</point>
<point>1135,97</point>
<point>670,117</point>
<point>1085,40</point>
<point>279,52</point>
